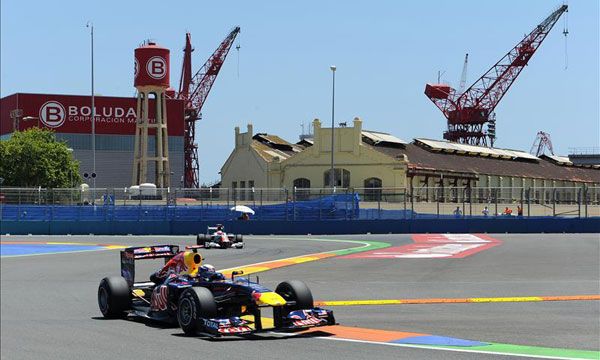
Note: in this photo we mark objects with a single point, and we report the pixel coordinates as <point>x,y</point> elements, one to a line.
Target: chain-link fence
<point>296,204</point>
<point>459,202</point>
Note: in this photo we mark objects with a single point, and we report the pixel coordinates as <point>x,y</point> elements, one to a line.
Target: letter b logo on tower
<point>156,67</point>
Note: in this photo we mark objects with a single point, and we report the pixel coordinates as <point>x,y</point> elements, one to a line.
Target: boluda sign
<point>73,114</point>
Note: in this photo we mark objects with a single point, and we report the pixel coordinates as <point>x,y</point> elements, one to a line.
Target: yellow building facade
<point>256,162</point>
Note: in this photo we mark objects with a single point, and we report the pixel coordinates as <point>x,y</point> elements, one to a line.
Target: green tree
<point>35,157</point>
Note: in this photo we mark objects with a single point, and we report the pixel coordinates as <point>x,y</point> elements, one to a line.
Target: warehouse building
<point>369,159</point>
<point>70,117</point>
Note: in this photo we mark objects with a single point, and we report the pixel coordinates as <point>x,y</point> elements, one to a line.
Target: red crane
<point>468,112</point>
<point>194,90</point>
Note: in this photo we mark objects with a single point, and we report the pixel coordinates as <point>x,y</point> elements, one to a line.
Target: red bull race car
<point>217,238</point>
<point>201,300</point>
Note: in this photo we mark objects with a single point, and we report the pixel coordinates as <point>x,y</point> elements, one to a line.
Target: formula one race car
<point>216,237</point>
<point>200,300</point>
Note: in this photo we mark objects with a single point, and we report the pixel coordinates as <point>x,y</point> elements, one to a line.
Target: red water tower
<point>151,79</point>
<point>151,66</point>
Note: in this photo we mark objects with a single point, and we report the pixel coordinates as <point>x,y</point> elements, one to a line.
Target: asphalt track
<point>49,308</point>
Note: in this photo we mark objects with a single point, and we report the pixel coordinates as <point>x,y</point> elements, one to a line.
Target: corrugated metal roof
<point>424,160</point>
<point>559,159</point>
<point>269,153</point>
<point>379,137</point>
<point>274,141</point>
<point>451,147</point>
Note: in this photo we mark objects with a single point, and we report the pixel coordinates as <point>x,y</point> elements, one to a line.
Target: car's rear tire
<point>114,297</point>
<point>195,303</point>
<point>292,290</point>
<point>201,239</point>
<point>239,238</point>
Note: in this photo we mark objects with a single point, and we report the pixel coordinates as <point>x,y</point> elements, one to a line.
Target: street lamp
<point>332,173</point>
<point>29,118</point>
<point>90,25</point>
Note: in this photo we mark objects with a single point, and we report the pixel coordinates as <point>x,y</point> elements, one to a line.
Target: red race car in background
<point>216,237</point>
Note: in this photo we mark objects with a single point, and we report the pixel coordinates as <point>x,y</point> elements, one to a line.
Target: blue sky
<point>385,52</point>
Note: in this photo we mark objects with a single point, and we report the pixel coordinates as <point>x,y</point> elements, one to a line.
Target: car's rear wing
<point>129,255</point>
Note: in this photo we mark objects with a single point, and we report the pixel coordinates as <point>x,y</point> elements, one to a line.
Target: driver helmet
<point>219,227</point>
<point>207,269</point>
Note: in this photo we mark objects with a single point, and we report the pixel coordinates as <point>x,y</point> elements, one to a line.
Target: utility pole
<point>332,173</point>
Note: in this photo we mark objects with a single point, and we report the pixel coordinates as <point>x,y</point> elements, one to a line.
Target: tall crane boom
<point>186,69</point>
<point>194,90</point>
<point>463,76</point>
<point>469,111</point>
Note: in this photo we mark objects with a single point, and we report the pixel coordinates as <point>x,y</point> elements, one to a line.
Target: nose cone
<point>270,299</point>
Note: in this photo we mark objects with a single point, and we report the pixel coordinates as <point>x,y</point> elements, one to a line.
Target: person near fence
<point>244,216</point>
<point>507,211</point>
<point>485,211</point>
<point>457,212</point>
<point>519,210</point>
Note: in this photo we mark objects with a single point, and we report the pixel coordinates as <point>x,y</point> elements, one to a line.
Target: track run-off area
<point>425,296</point>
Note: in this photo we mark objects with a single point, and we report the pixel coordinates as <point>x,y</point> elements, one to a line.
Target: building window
<point>243,190</point>
<point>342,178</point>
<point>372,189</point>
<point>302,183</point>
<point>301,188</point>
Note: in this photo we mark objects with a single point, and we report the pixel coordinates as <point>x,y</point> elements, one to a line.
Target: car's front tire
<point>195,303</point>
<point>292,290</point>
<point>298,291</point>
<point>114,297</point>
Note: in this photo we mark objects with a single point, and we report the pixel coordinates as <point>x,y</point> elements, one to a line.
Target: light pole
<point>28,118</point>
<point>332,172</point>
<point>90,25</point>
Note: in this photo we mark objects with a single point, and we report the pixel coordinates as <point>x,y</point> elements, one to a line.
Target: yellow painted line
<point>275,264</point>
<point>458,300</point>
<point>358,302</point>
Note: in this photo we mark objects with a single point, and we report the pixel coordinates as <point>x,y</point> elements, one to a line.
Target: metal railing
<point>297,203</point>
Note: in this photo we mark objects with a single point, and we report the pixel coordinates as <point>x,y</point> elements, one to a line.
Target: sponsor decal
<point>236,329</point>
<point>308,322</point>
<point>136,68</point>
<point>142,250</point>
<point>434,246</point>
<point>156,67</point>
<point>159,298</point>
<point>211,324</point>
